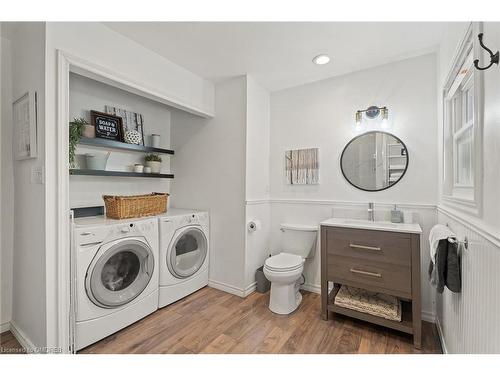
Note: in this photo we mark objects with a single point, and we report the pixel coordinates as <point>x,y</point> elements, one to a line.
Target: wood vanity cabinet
<point>379,261</point>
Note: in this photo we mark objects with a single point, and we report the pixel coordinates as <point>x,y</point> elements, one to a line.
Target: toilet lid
<point>284,262</point>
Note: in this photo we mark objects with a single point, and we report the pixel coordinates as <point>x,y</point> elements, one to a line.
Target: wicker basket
<point>126,207</point>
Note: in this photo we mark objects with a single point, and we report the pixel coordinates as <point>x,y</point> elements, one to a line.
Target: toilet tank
<point>298,239</point>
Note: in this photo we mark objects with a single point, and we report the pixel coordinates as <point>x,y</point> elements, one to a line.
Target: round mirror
<point>374,161</point>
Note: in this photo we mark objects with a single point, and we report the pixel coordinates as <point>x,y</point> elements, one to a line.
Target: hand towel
<point>438,232</point>
<point>437,268</point>
<point>453,269</point>
<point>446,269</point>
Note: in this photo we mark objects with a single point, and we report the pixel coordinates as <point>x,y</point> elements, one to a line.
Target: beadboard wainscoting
<point>303,211</point>
<point>468,321</point>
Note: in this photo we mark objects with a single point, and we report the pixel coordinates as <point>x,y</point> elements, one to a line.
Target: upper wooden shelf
<point>107,143</point>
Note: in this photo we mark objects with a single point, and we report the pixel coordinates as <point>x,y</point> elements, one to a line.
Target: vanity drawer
<point>387,247</point>
<point>365,273</point>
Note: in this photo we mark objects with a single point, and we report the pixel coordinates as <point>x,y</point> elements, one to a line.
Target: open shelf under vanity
<point>405,325</point>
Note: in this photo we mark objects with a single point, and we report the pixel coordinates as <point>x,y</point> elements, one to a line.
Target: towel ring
<point>465,242</point>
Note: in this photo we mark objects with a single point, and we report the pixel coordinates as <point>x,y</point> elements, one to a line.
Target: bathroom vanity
<point>380,257</point>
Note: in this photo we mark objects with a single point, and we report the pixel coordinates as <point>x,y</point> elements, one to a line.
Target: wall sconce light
<point>372,112</point>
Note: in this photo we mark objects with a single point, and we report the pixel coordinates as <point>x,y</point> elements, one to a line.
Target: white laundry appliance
<point>116,274</point>
<point>184,254</point>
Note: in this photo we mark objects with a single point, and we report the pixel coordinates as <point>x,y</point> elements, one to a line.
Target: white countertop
<point>372,225</point>
<point>103,220</point>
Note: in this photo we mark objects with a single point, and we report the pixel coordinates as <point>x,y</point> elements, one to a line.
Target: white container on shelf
<point>155,140</point>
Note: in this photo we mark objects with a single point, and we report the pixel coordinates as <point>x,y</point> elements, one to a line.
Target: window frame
<point>465,197</point>
<point>468,83</point>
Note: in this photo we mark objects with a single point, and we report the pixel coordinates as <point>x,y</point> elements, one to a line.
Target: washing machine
<point>184,254</point>
<point>116,275</point>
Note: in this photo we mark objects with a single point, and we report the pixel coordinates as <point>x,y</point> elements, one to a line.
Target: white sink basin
<point>372,225</point>
<point>384,224</point>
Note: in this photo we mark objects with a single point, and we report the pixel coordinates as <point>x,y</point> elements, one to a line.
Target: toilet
<point>284,270</point>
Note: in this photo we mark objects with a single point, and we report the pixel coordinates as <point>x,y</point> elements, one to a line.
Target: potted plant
<point>75,132</point>
<point>154,162</point>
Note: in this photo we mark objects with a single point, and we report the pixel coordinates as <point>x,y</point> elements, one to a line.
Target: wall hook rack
<point>494,58</point>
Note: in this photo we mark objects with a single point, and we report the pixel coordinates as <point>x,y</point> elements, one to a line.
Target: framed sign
<point>107,126</point>
<point>130,120</point>
<point>25,130</point>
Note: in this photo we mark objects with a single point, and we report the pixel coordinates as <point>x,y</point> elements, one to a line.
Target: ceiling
<point>279,54</point>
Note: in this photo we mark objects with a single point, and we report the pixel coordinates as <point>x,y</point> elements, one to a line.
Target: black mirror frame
<point>370,132</point>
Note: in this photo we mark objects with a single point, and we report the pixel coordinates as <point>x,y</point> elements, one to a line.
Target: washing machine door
<point>119,272</point>
<point>187,251</point>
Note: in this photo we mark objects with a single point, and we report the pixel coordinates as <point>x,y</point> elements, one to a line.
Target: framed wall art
<point>130,120</point>
<point>24,115</point>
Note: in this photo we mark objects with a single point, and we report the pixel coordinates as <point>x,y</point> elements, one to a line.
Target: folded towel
<point>377,304</point>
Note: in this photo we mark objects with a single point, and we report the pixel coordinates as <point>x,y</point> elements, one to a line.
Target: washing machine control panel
<point>96,235</point>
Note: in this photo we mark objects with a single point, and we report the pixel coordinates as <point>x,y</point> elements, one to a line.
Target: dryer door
<point>187,252</point>
<point>120,273</point>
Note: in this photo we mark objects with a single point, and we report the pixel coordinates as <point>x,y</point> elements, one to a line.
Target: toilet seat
<point>283,262</point>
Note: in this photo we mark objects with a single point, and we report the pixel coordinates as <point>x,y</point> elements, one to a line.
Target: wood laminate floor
<point>9,344</point>
<point>212,321</point>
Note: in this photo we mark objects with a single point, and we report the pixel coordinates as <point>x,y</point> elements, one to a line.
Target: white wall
<point>6,186</point>
<point>28,207</point>
<point>257,141</point>
<point>100,45</point>
<point>209,168</point>
<point>321,114</point>
<point>86,95</point>
<point>218,165</point>
<point>469,321</point>
<point>257,178</point>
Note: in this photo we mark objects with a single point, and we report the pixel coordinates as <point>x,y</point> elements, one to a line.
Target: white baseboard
<point>311,288</point>
<point>429,317</point>
<point>441,336</point>
<point>227,288</point>
<point>22,338</point>
<point>4,327</point>
<point>250,289</point>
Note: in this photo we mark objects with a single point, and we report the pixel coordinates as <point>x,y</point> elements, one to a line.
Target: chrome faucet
<point>371,212</point>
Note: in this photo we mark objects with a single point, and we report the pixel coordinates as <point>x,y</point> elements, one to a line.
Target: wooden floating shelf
<point>94,172</point>
<point>107,143</point>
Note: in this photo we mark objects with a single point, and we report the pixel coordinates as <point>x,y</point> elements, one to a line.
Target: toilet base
<point>284,299</point>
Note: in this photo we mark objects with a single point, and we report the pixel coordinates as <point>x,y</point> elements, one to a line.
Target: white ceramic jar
<point>155,140</point>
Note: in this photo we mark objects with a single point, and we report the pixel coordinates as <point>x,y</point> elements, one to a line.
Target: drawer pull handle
<point>374,274</point>
<point>364,247</point>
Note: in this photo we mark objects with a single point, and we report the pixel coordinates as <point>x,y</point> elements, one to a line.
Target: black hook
<point>493,57</point>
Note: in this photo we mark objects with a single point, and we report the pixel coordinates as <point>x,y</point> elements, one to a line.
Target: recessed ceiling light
<point>321,60</point>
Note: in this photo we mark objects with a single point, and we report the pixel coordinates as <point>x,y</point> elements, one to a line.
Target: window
<point>462,131</point>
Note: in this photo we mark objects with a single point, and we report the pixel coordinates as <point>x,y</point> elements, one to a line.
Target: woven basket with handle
<point>126,207</point>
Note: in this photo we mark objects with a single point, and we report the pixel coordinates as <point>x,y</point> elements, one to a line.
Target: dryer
<point>184,254</point>
<point>116,274</point>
